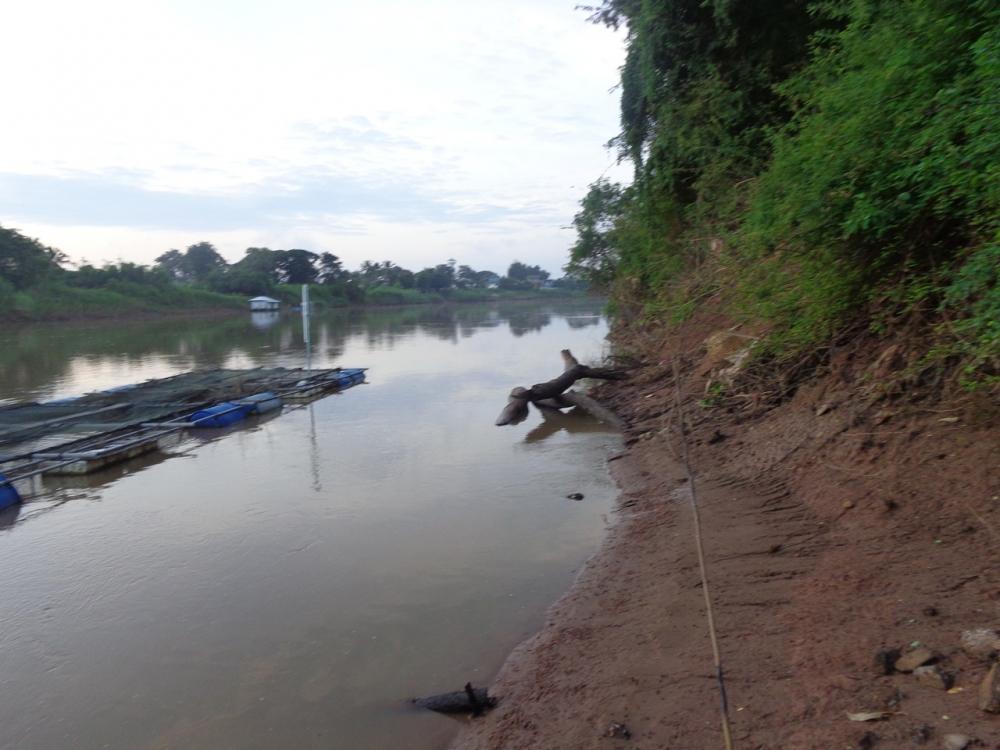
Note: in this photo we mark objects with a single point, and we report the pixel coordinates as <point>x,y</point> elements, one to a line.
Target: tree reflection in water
<point>37,360</point>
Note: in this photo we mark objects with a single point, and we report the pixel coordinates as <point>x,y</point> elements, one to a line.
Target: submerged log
<point>516,410</point>
<point>467,701</point>
<point>553,394</point>
<point>595,408</point>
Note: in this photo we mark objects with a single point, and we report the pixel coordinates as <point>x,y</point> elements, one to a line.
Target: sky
<point>376,130</point>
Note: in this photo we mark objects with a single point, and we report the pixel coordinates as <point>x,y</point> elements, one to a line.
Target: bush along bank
<point>56,301</point>
<point>818,170</point>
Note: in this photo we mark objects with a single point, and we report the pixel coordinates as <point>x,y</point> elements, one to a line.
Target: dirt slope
<point>836,526</point>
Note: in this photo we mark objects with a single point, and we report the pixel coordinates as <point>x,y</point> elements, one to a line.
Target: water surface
<point>288,584</point>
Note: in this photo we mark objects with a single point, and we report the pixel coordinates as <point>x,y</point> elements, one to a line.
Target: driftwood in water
<point>553,394</point>
<point>468,701</point>
<point>595,408</point>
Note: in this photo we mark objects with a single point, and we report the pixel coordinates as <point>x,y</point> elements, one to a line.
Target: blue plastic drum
<point>261,403</point>
<point>8,493</point>
<point>349,376</point>
<point>220,415</point>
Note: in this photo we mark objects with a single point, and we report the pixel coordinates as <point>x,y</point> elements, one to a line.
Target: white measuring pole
<point>305,325</point>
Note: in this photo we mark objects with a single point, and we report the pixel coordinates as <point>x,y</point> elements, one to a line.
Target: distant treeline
<point>817,166</point>
<point>37,281</point>
<point>262,270</point>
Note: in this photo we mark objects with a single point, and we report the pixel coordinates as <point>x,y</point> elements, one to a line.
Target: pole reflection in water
<point>314,451</point>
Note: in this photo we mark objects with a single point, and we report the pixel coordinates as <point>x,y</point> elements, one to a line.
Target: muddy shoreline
<point>837,526</point>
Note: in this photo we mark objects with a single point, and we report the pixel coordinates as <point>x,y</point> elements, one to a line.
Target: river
<point>289,584</point>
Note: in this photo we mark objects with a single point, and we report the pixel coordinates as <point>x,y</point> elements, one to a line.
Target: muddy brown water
<point>291,583</point>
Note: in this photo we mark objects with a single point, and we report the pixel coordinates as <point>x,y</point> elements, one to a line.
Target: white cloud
<point>391,129</point>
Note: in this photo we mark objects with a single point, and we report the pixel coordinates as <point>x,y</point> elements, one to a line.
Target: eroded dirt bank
<point>838,525</point>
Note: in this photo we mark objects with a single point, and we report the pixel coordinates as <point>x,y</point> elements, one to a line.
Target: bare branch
<point>552,393</point>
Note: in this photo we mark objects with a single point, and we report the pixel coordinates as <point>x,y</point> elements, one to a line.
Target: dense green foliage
<point>35,285</point>
<point>819,159</point>
<point>24,261</point>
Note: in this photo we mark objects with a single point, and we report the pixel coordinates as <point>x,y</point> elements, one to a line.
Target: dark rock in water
<point>575,496</point>
<point>468,701</point>
<point>868,741</point>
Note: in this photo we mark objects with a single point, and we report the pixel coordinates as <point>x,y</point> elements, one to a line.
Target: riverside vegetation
<point>36,284</point>
<point>818,169</point>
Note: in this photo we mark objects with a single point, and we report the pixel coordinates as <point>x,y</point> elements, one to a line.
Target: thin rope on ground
<point>710,613</point>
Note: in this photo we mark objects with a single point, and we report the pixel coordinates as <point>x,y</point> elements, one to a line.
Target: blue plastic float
<point>220,415</point>
<point>348,376</point>
<point>262,403</point>
<point>8,493</point>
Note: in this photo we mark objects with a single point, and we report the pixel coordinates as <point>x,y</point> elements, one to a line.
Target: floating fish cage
<point>84,434</point>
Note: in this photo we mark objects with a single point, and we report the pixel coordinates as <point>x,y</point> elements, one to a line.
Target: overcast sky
<point>383,129</point>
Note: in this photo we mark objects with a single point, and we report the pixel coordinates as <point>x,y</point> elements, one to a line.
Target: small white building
<point>258,304</point>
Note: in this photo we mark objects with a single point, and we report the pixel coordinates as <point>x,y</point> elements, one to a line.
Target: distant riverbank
<point>58,302</point>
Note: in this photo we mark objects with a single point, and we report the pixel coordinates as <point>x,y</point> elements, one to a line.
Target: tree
<point>405,279</point>
<point>24,261</point>
<point>386,273</point>
<point>437,279</point>
<point>513,285</point>
<point>244,280</point>
<point>260,260</point>
<point>486,279</point>
<point>172,262</point>
<point>116,274</point>
<point>593,255</point>
<point>298,266</point>
<point>353,292</point>
<point>196,264</point>
<point>699,79</point>
<point>523,272</point>
<point>521,276</point>
<point>466,277</point>
<point>201,260</point>
<point>368,272</point>
<point>331,270</point>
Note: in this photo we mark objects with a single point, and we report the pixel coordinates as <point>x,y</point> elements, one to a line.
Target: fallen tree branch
<point>553,394</point>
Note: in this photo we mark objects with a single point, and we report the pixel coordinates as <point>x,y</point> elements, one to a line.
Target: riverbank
<point>857,516</point>
<point>61,303</point>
